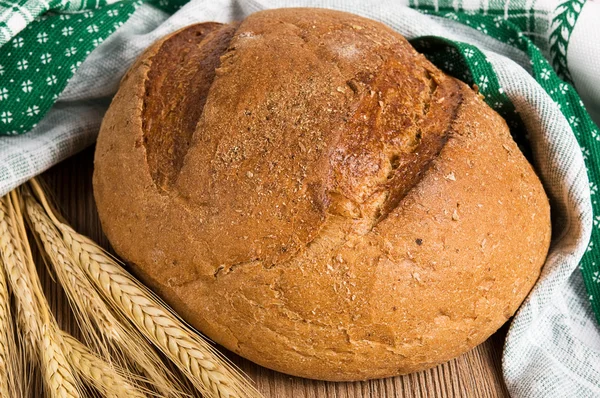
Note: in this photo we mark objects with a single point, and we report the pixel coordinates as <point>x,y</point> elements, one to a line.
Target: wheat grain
<point>107,379</point>
<point>92,310</point>
<point>198,360</point>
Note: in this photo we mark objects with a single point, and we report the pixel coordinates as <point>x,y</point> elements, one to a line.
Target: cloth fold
<point>506,49</point>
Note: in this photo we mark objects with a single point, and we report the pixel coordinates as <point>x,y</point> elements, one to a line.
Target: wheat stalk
<point>194,356</point>
<point>93,311</point>
<point>107,379</point>
<point>36,320</point>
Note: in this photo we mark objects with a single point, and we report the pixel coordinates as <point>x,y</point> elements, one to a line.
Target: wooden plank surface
<point>474,374</point>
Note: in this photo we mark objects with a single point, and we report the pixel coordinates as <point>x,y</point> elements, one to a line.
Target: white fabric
<point>583,57</point>
<point>553,345</point>
<point>67,129</point>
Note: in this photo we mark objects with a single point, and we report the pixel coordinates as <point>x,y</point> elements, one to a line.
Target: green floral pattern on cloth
<point>41,46</point>
<point>526,15</point>
<point>16,15</point>
<point>36,64</point>
<point>562,27</point>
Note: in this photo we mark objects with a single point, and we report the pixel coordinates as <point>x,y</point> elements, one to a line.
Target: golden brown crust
<point>325,202</point>
<point>175,97</point>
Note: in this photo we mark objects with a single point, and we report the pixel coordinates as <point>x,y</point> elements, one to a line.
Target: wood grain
<point>477,373</point>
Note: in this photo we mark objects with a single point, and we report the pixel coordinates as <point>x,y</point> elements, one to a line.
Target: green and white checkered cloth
<point>61,62</point>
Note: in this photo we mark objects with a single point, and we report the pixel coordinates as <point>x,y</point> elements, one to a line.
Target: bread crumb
<point>249,174</point>
<point>455,215</point>
<point>450,177</point>
<point>416,276</point>
<point>381,104</point>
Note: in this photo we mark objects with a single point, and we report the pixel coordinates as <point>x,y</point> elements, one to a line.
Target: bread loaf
<point>313,194</point>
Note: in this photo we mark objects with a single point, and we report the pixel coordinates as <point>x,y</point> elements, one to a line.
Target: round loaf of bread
<point>310,192</point>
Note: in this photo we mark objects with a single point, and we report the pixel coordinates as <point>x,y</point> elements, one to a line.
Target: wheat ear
<point>91,310</point>
<point>208,371</point>
<point>16,271</point>
<point>37,320</point>
<point>81,294</point>
<point>107,379</point>
<point>27,318</point>
<point>58,375</point>
<point>11,376</point>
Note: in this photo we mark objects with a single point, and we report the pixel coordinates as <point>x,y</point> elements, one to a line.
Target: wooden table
<point>477,373</point>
